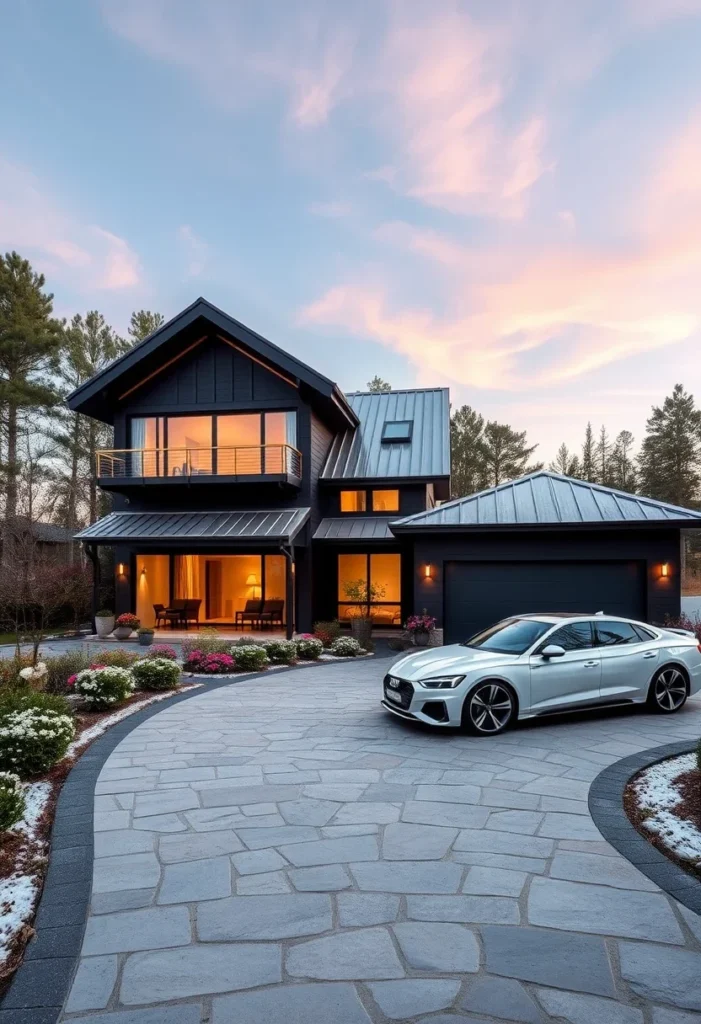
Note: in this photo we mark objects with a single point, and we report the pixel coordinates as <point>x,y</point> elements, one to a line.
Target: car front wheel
<point>488,709</point>
<point>668,691</point>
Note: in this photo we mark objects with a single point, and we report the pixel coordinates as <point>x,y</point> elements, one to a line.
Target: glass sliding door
<point>147,442</point>
<point>239,444</point>
<point>189,445</point>
<point>280,431</point>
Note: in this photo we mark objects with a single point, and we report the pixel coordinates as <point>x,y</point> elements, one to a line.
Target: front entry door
<point>573,678</point>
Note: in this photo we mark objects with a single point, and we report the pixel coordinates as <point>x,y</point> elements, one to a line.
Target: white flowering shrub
<point>346,647</point>
<point>281,652</point>
<point>156,674</point>
<point>34,674</point>
<point>104,687</point>
<point>11,800</point>
<point>309,648</point>
<point>250,658</point>
<point>33,740</point>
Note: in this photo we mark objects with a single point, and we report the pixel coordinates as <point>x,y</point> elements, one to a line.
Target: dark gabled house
<point>241,474</point>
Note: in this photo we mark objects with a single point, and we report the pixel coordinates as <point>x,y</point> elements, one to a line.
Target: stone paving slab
<point>269,852</point>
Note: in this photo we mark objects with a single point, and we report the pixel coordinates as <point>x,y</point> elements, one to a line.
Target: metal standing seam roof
<point>360,454</point>
<point>544,498</point>
<point>280,524</point>
<point>362,528</point>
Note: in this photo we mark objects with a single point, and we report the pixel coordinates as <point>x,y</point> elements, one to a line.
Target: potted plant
<point>104,622</point>
<point>362,595</point>
<point>145,635</point>
<point>125,626</point>
<point>419,628</point>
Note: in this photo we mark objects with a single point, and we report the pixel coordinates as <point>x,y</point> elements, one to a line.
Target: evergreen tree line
<point>47,470</point>
<point>667,466</point>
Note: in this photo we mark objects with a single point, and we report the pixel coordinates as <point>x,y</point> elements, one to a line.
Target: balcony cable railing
<point>226,460</point>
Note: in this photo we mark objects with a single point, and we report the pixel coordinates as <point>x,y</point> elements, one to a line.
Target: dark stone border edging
<point>40,987</point>
<point>606,808</point>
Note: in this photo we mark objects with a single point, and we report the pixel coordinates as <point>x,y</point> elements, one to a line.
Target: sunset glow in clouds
<point>501,197</point>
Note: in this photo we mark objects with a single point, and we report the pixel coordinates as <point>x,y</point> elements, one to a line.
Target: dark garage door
<point>480,593</point>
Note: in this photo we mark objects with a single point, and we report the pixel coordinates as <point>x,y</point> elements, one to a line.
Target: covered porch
<point>181,571</point>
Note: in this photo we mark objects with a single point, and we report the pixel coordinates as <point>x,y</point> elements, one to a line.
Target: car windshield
<point>512,636</point>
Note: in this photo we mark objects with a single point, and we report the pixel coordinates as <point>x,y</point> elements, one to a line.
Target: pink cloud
<point>34,222</point>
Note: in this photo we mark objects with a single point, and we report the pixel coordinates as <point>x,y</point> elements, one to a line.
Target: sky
<point>502,197</point>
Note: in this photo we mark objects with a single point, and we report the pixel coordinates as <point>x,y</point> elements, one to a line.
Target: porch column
<point>289,591</point>
<point>91,552</point>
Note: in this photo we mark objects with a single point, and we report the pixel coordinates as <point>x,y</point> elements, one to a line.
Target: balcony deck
<point>267,463</point>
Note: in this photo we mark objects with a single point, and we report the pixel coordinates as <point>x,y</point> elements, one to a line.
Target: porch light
<point>121,569</point>
<point>428,571</point>
<point>664,570</point>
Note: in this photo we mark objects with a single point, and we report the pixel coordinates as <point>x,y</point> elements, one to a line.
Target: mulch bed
<point>688,809</point>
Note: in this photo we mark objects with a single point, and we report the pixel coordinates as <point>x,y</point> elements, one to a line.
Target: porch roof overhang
<point>364,528</point>
<point>182,529</point>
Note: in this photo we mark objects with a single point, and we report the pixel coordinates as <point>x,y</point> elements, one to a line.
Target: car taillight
<point>698,648</point>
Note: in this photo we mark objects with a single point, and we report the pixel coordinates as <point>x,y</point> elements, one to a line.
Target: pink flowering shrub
<point>162,651</point>
<point>204,663</point>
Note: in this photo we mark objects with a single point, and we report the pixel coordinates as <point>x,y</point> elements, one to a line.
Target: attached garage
<point>477,594</point>
<point>545,543</point>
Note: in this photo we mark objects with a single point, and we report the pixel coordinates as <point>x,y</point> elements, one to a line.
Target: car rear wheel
<point>668,690</point>
<point>488,708</point>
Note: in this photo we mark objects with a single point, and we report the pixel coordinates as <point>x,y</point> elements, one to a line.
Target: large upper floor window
<point>385,501</point>
<point>353,501</point>
<point>228,444</point>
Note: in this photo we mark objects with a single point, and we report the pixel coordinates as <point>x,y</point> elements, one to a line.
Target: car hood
<point>452,660</point>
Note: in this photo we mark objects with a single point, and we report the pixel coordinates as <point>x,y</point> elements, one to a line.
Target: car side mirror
<point>553,651</point>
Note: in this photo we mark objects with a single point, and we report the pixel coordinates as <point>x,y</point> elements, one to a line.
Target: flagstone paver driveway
<point>283,850</point>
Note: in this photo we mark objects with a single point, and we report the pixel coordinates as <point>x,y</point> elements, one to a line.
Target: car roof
<point>554,617</point>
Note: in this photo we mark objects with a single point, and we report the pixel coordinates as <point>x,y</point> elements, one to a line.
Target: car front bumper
<point>433,707</point>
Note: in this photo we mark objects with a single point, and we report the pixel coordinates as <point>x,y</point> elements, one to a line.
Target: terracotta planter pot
<point>123,632</point>
<point>104,625</point>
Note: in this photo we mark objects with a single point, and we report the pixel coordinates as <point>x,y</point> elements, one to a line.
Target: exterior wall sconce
<point>143,571</point>
<point>428,571</point>
<point>121,569</point>
<point>664,570</point>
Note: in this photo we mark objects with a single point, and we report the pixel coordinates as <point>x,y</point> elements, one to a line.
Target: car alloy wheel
<point>669,690</point>
<point>489,708</point>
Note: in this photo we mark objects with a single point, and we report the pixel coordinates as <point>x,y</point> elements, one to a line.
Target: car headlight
<point>441,682</point>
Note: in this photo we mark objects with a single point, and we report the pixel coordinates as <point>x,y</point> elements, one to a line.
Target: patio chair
<point>174,613</point>
<point>250,613</point>
<point>159,610</point>
<point>271,615</point>
<point>191,611</point>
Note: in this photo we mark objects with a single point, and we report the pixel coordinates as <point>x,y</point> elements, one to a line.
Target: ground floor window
<point>221,583</point>
<point>381,571</point>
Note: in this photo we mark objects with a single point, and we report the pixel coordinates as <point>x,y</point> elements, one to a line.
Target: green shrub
<point>346,647</point>
<point>156,674</point>
<point>62,667</point>
<point>327,632</point>
<point>310,648</point>
<point>281,652</point>
<point>117,657</point>
<point>247,641</point>
<point>20,699</point>
<point>251,658</point>
<point>206,643</point>
<point>12,800</point>
<point>104,687</point>
<point>33,740</point>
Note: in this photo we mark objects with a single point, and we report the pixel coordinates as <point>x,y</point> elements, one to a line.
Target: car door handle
<point>590,664</point>
<point>650,654</point>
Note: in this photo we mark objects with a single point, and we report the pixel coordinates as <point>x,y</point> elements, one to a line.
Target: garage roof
<point>279,525</point>
<point>362,528</point>
<point>548,499</point>
<point>367,452</point>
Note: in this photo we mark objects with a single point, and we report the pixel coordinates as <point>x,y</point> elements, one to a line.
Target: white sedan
<point>533,665</point>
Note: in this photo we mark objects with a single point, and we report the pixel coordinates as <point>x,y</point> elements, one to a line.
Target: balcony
<point>266,463</point>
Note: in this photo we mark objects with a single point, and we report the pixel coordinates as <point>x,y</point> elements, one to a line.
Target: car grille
<point>405,691</point>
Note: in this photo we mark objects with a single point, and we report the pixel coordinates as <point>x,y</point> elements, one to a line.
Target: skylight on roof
<point>397,431</point>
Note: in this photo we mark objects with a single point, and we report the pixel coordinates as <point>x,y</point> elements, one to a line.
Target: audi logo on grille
<point>394,683</point>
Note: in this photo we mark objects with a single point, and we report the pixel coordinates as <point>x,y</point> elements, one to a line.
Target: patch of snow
<point>343,657</point>
<point>19,891</point>
<point>656,791</point>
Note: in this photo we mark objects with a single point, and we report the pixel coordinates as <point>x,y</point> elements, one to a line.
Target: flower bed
<point>664,803</point>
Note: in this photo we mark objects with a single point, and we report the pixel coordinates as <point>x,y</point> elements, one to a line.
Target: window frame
<point>405,439</point>
<point>353,511</point>
<point>386,490</point>
<point>563,625</point>
<point>368,555</point>
<point>626,643</point>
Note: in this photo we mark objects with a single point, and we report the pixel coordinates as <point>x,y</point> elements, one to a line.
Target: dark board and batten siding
<point>657,597</point>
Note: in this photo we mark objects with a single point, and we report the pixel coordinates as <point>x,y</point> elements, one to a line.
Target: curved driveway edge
<point>606,808</point>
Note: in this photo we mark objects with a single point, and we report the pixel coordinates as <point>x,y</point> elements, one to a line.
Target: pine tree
<point>588,468</point>
<point>670,456</point>
<point>143,322</point>
<point>506,454</point>
<point>29,345</point>
<point>467,452</point>
<point>565,462</point>
<point>623,473</point>
<point>602,458</point>
<point>90,344</point>
<point>378,386</point>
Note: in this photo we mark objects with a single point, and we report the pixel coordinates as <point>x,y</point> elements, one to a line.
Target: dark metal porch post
<point>289,591</point>
<point>91,552</point>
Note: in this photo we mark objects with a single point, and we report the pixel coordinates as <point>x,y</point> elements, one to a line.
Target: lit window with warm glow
<point>385,501</point>
<point>353,501</point>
